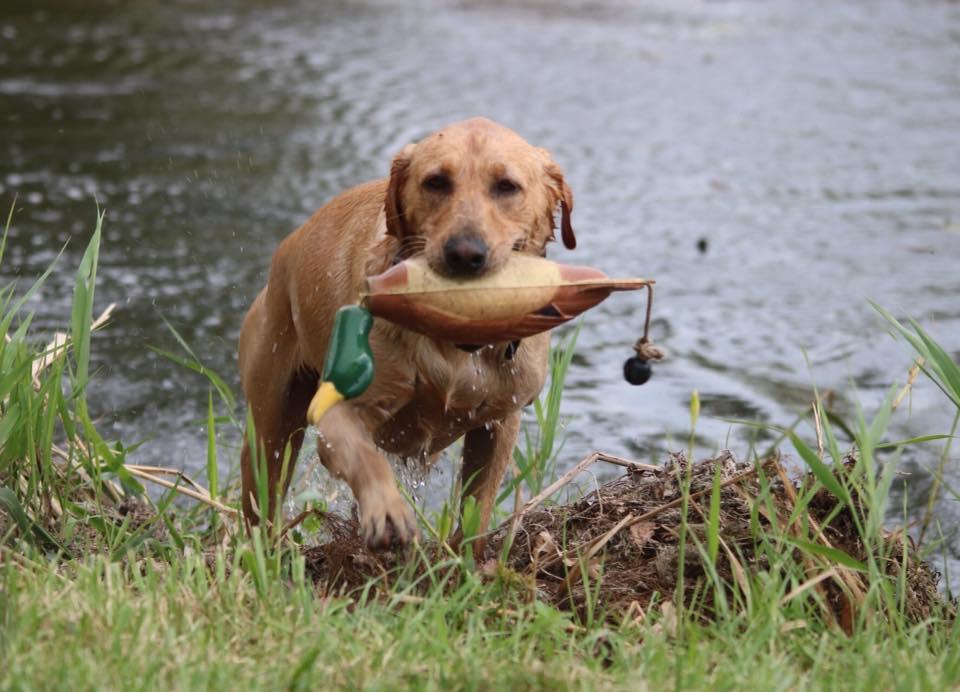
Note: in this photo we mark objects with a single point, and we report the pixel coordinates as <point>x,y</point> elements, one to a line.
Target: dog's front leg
<point>347,450</point>
<point>487,451</point>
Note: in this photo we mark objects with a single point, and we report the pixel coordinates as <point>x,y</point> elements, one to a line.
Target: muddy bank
<point>622,544</point>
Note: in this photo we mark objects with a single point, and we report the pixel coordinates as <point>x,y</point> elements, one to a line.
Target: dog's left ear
<point>564,195</point>
<point>393,205</point>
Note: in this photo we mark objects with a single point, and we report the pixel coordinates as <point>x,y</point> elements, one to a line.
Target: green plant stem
<point>937,480</point>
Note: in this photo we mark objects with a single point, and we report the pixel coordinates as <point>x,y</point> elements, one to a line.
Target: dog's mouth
<point>416,246</point>
<point>441,268</point>
<point>493,263</point>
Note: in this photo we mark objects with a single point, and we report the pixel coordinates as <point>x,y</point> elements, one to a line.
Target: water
<point>813,147</point>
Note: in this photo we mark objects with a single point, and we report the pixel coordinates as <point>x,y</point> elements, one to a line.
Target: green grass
<point>102,624</point>
<point>91,598</point>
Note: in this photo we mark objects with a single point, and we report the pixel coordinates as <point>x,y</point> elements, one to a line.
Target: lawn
<point>762,582</point>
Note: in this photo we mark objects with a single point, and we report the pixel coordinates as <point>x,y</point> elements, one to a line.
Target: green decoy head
<point>348,368</point>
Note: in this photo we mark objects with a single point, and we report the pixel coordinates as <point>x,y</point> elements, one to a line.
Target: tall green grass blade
<point>81,329</point>
<point>50,391</point>
<point>878,426</point>
<point>470,523</point>
<point>948,370</point>
<point>833,554</point>
<point>175,534</point>
<point>6,228</point>
<point>13,310</point>
<point>213,474</point>
<point>9,422</point>
<point>549,416</point>
<point>193,364</point>
<point>938,479</point>
<point>82,315</point>
<point>131,540</point>
<point>881,496</point>
<point>536,461</point>
<point>834,419</point>
<point>11,505</point>
<point>300,679</point>
<point>906,333</point>
<point>713,521</point>
<point>942,370</point>
<point>16,364</point>
<point>820,470</point>
<point>257,561</point>
<point>912,441</point>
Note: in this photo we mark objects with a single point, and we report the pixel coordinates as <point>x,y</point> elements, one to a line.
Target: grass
<point>105,624</point>
<point>97,592</point>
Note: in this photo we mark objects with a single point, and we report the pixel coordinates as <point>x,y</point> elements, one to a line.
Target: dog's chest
<point>459,392</point>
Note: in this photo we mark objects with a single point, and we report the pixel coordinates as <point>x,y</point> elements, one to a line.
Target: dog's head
<point>472,193</point>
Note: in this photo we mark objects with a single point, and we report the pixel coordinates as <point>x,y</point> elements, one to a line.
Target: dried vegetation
<point>619,547</point>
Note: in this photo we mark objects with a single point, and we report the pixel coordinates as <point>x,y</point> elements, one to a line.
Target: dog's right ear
<point>393,205</point>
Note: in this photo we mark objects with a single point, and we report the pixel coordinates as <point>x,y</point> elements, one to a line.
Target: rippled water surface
<point>814,147</point>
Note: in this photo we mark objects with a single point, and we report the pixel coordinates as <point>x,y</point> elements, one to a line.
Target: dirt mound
<point>622,542</point>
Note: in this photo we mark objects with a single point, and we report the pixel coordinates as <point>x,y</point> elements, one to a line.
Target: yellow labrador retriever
<point>465,197</point>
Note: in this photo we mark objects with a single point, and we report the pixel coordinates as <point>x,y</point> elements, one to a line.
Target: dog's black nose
<point>465,254</point>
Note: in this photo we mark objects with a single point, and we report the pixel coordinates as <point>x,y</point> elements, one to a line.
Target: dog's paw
<point>385,518</point>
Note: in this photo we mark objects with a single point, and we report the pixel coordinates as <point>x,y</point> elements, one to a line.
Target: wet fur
<point>425,393</point>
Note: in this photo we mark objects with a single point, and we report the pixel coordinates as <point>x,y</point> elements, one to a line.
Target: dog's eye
<point>437,183</point>
<point>505,186</point>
